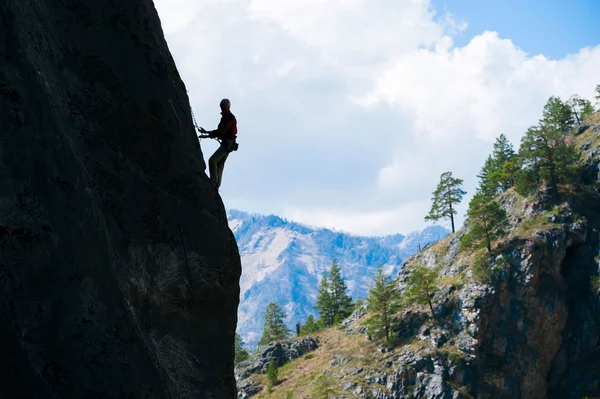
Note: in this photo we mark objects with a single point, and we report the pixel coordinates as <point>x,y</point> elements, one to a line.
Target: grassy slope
<point>297,375</point>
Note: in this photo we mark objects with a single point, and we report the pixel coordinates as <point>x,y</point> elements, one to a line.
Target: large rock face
<point>118,273</point>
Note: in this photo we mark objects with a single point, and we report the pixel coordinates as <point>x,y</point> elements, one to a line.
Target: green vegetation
<point>547,155</point>
<point>446,196</point>
<point>310,326</point>
<point>497,174</point>
<point>241,353</point>
<point>557,115</point>
<point>486,220</point>
<point>272,375</point>
<point>274,328</point>
<point>422,287</point>
<point>580,108</point>
<point>333,302</point>
<point>325,387</point>
<point>481,268</point>
<point>595,281</point>
<point>384,301</point>
<point>597,96</point>
<point>528,226</point>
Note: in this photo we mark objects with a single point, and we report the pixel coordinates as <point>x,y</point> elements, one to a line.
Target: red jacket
<point>227,128</point>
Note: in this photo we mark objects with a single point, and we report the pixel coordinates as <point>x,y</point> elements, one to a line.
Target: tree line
<point>334,305</point>
<point>547,158</point>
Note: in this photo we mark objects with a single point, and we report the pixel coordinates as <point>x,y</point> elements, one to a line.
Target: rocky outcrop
<point>118,272</point>
<point>279,352</point>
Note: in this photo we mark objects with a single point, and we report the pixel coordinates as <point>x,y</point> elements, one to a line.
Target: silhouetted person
<point>226,133</point>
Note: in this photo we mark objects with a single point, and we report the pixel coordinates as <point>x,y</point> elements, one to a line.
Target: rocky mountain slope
<point>282,262</point>
<point>118,272</point>
<point>526,324</point>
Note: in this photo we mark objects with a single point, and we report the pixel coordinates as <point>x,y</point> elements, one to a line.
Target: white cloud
<point>349,110</point>
<point>364,223</point>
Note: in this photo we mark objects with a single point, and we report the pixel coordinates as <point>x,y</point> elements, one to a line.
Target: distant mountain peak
<point>282,261</point>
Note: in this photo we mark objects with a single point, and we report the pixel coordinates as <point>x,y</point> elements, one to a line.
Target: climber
<point>226,133</point>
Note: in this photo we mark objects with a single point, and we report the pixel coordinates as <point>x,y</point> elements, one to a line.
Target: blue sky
<point>350,110</point>
<point>554,28</point>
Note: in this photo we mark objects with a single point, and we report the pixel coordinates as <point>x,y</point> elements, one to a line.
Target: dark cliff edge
<point>118,272</point>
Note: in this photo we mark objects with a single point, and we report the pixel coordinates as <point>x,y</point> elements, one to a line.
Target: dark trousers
<point>216,163</point>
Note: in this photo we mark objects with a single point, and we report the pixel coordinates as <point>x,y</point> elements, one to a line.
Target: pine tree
<point>324,302</point>
<point>548,157</point>
<point>333,303</point>
<point>325,387</point>
<point>274,327</point>
<point>497,174</point>
<point>486,220</point>
<point>272,375</point>
<point>489,178</point>
<point>597,91</point>
<point>384,301</point>
<point>580,107</point>
<point>557,116</point>
<point>504,160</point>
<point>241,353</point>
<point>422,287</point>
<point>445,198</point>
<point>586,109</point>
<point>341,303</point>
<point>310,326</point>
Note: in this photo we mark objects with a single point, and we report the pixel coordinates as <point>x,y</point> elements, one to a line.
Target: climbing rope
<point>198,128</point>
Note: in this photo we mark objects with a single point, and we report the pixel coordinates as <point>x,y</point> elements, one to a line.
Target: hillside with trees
<point>507,306</point>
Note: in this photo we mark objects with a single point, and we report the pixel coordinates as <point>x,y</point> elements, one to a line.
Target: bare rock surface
<point>118,272</point>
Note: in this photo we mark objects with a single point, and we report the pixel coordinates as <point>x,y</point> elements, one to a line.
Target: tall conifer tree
<point>447,195</point>
<point>274,327</point>
<point>486,220</point>
<point>384,301</point>
<point>333,302</point>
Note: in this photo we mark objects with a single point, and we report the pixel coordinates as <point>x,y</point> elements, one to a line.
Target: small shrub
<point>289,395</point>
<point>325,387</point>
<point>481,268</point>
<point>595,283</point>
<point>308,357</point>
<point>272,374</point>
<point>459,282</point>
